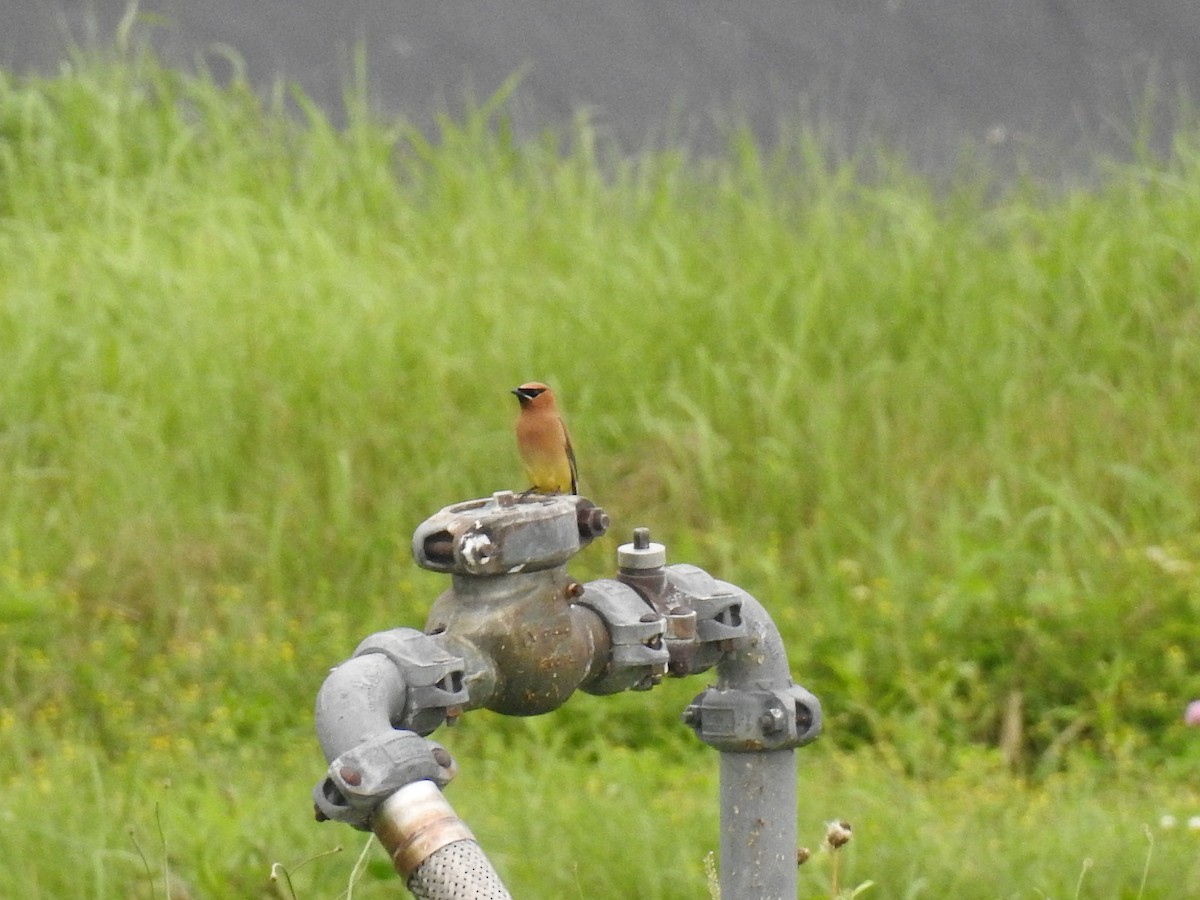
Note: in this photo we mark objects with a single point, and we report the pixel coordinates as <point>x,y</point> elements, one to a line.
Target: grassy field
<point>947,435</point>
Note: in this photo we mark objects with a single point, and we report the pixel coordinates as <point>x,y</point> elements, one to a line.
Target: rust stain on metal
<point>538,635</point>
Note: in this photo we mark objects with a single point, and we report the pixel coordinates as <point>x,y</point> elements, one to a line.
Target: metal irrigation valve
<point>515,633</point>
<point>512,611</point>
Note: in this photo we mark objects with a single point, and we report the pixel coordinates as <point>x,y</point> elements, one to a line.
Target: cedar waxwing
<point>543,441</point>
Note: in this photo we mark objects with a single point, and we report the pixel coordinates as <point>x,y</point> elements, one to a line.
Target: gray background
<point>1053,81</point>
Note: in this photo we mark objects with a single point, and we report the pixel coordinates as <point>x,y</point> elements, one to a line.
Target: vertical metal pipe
<point>758,825</point>
<point>758,788</point>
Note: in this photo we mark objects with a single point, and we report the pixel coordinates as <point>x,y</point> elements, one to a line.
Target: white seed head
<point>837,834</point>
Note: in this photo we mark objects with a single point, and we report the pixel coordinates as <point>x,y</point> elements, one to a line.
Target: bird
<point>543,442</point>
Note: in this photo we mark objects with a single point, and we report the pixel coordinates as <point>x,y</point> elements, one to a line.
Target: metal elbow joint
<point>371,715</point>
<point>755,705</point>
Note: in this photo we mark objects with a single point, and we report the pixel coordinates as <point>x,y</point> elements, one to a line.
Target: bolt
<point>505,499</point>
<point>641,538</point>
<point>592,522</point>
<point>351,776</point>
<point>442,757</point>
<point>649,617</point>
<point>772,720</point>
<point>575,589</point>
<point>691,716</point>
<point>477,548</point>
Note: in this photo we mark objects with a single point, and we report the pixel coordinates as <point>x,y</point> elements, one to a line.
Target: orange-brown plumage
<point>543,441</point>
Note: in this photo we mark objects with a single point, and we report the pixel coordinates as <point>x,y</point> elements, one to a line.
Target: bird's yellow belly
<point>548,476</point>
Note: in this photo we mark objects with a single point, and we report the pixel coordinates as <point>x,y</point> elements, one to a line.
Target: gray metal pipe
<point>759,659</point>
<point>516,634</point>
<point>758,789</point>
<point>758,825</point>
<point>359,700</point>
<point>434,850</point>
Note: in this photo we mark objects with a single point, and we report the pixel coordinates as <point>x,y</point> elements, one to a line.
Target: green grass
<point>947,435</point>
